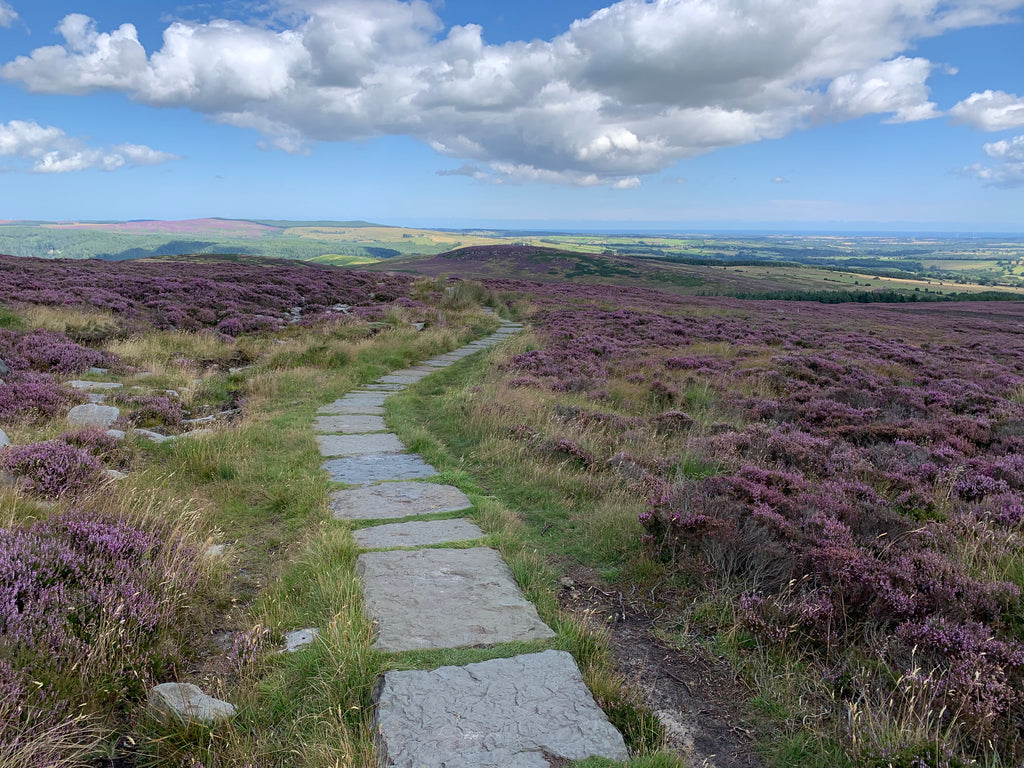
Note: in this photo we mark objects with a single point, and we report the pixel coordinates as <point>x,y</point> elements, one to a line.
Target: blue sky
<point>699,114</point>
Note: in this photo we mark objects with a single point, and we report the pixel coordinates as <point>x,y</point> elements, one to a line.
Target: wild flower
<point>52,469</point>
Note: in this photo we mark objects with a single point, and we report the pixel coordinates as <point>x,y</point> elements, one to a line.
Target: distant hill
<point>542,264</point>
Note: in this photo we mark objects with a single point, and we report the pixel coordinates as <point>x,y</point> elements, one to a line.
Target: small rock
<point>96,398</point>
<point>93,415</point>
<point>201,420</point>
<point>117,434</point>
<point>420,326</point>
<point>300,638</point>
<point>113,474</point>
<point>185,701</point>
<point>97,371</point>
<point>4,439</point>
<point>4,370</point>
<point>215,550</point>
<point>154,437</point>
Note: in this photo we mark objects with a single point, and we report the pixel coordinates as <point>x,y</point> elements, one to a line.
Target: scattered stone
<point>4,439</point>
<point>93,415</point>
<point>396,500</point>
<point>185,701</point>
<point>420,326</point>
<point>200,420</point>
<point>113,474</point>
<point>153,437</point>
<point>445,598</point>
<point>352,425</point>
<point>96,398</point>
<point>95,386</point>
<point>512,713</point>
<point>384,387</point>
<point>98,371</point>
<point>4,369</point>
<point>215,550</point>
<point>117,434</point>
<point>359,445</point>
<point>300,638</point>
<point>378,467</point>
<point>419,533</point>
<point>402,378</point>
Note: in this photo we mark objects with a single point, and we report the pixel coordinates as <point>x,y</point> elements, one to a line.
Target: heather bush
<point>34,397</point>
<point>42,350</point>
<point>105,447</point>
<point>86,601</point>
<point>52,469</point>
<point>152,410</point>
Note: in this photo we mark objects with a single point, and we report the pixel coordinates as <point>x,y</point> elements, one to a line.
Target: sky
<point>550,114</point>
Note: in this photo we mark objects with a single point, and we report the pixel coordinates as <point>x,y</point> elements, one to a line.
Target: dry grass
<point>80,324</point>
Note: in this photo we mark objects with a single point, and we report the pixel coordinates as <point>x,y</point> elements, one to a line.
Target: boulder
<point>113,474</point>
<point>93,415</point>
<point>117,434</point>
<point>184,701</point>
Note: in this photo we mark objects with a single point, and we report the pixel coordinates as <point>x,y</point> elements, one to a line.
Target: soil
<point>697,698</point>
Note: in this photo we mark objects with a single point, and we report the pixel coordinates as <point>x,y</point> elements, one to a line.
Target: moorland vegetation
<point>827,499</point>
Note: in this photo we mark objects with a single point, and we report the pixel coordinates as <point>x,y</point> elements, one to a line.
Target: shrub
<point>31,397</point>
<point>52,468</point>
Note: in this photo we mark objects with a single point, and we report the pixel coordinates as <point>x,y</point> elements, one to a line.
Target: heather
<point>833,492</point>
<point>232,297</point>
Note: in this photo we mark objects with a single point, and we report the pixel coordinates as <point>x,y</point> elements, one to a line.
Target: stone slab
<point>187,702</point>
<point>418,533</point>
<point>338,408</point>
<point>377,468</point>
<point>97,386</point>
<point>383,388</point>
<point>504,713</point>
<point>93,415</point>
<point>358,445</point>
<point>445,598</point>
<point>394,500</point>
<point>364,397</point>
<point>403,379</point>
<point>349,424</point>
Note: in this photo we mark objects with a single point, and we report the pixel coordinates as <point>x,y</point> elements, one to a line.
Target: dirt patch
<point>697,698</point>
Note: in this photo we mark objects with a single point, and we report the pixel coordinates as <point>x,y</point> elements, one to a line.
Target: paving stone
<point>353,424</point>
<point>339,408</point>
<point>358,445</point>
<point>438,363</point>
<point>363,397</point>
<point>383,388</point>
<point>504,713</point>
<point>445,598</point>
<point>403,379</point>
<point>394,500</point>
<point>378,467</point>
<point>418,533</point>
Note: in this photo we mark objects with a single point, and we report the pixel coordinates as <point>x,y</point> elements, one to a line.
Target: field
<point>773,533</point>
<point>926,261</point>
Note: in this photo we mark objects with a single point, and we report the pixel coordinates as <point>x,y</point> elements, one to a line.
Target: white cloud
<point>990,111</point>
<point>46,149</point>
<point>7,14</point>
<point>1009,168</point>
<point>627,91</point>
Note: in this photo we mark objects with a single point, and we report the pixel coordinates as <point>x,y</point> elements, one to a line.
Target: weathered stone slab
<point>383,388</point>
<point>187,702</point>
<point>299,638</point>
<point>365,398</point>
<point>445,598</point>
<point>377,468</point>
<point>438,363</point>
<point>403,379</point>
<point>339,408</point>
<point>504,713</point>
<point>349,424</point>
<point>394,500</point>
<point>93,415</point>
<point>96,386</point>
<point>418,533</point>
<point>358,445</point>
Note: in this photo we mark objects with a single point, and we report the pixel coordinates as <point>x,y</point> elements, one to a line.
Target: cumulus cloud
<point>46,149</point>
<point>7,14</point>
<point>1009,168</point>
<point>627,91</point>
<point>990,111</point>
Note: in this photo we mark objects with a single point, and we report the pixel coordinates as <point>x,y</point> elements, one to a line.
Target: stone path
<point>530,711</point>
